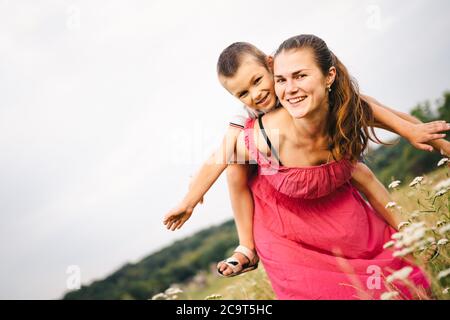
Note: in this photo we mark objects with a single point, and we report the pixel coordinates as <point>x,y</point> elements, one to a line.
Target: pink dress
<point>317,237</point>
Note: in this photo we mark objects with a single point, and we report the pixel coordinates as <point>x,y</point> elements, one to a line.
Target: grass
<point>248,286</point>
<point>422,203</point>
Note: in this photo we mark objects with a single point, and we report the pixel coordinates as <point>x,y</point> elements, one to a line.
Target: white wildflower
<point>389,295</point>
<point>442,161</point>
<point>416,181</point>
<point>446,290</point>
<point>402,253</point>
<point>397,235</point>
<point>443,273</point>
<point>442,242</point>
<point>423,244</point>
<point>388,244</point>
<point>414,226</point>
<point>401,274</point>
<point>398,245</point>
<point>442,184</point>
<point>410,234</point>
<point>441,192</point>
<point>394,184</point>
<point>445,228</point>
<point>390,205</point>
<point>173,291</point>
<point>160,296</point>
<point>414,236</point>
<point>440,223</point>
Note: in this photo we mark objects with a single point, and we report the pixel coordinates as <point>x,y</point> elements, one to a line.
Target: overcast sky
<point>107,108</point>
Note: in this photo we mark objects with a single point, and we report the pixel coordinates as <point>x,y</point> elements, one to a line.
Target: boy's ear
<point>269,61</point>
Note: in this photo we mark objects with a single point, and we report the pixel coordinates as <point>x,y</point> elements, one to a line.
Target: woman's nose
<point>291,86</point>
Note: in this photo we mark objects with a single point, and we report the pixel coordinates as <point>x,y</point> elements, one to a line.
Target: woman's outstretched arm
<point>377,195</point>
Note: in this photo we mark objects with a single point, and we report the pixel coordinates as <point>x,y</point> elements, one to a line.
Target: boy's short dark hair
<point>230,58</point>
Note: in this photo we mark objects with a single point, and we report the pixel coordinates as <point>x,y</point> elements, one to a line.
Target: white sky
<point>107,107</point>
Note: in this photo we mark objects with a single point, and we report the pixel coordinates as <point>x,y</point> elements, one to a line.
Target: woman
<point>314,233</point>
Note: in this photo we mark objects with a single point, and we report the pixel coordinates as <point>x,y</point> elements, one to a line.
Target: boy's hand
<point>176,217</point>
<point>422,134</point>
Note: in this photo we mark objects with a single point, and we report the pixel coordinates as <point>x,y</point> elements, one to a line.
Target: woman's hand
<point>424,136</point>
<point>176,217</point>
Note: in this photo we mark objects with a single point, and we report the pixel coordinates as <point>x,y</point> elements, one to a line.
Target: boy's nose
<point>257,96</point>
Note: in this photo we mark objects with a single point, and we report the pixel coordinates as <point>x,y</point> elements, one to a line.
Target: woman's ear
<point>331,76</point>
<point>269,61</point>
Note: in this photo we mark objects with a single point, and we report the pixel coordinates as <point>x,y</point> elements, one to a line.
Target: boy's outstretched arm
<point>377,195</point>
<point>203,180</point>
<point>423,136</point>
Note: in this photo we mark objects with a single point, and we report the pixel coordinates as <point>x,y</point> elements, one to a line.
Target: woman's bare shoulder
<point>276,118</point>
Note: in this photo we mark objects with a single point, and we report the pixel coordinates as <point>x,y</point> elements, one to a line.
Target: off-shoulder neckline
<point>313,167</point>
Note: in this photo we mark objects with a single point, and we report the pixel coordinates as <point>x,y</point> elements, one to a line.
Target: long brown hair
<point>349,117</point>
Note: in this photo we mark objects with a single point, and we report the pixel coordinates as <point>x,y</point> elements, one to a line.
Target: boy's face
<point>252,84</point>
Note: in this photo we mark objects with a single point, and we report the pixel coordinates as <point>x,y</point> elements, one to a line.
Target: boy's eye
<point>280,80</point>
<point>299,76</point>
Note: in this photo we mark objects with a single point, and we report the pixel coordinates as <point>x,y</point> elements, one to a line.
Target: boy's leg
<point>242,205</point>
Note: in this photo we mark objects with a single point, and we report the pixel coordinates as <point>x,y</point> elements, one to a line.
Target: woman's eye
<point>243,94</point>
<point>257,80</point>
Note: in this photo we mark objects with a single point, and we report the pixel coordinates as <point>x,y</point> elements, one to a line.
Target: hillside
<point>173,264</point>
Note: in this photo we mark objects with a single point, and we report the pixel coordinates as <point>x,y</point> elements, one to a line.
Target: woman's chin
<point>297,113</point>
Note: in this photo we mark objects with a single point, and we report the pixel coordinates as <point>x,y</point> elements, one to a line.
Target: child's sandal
<point>236,266</point>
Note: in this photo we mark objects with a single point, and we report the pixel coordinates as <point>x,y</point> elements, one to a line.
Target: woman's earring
<point>329,88</point>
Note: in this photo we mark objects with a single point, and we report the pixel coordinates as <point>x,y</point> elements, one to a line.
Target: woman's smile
<point>296,100</point>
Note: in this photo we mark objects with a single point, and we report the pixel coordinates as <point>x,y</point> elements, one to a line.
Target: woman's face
<point>300,85</point>
<point>252,85</point>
